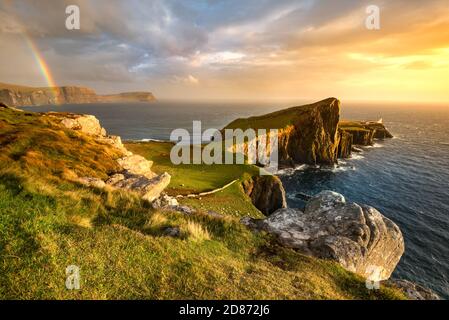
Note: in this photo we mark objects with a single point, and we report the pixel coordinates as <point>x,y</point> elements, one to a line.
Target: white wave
<point>338,168</point>
<point>375,145</point>
<point>290,171</point>
<point>151,140</point>
<point>357,156</point>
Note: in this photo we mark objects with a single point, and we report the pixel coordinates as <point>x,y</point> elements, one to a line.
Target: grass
<point>277,120</point>
<point>349,125</point>
<point>194,179</point>
<point>188,178</point>
<point>48,222</point>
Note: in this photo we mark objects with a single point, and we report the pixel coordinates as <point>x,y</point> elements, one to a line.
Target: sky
<point>233,49</point>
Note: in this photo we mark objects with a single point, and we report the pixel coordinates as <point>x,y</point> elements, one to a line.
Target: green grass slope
<point>278,119</point>
<point>48,222</point>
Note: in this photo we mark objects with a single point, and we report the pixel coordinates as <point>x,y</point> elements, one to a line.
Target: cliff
<point>127,97</point>
<point>266,192</point>
<point>18,96</point>
<point>313,133</point>
<point>364,132</point>
<point>307,134</point>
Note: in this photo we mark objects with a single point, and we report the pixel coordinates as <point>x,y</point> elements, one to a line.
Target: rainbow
<point>43,66</point>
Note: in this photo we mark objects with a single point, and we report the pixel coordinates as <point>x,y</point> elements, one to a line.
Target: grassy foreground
<point>48,222</point>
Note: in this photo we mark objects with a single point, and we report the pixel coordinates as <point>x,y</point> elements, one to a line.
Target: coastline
<point>155,142</point>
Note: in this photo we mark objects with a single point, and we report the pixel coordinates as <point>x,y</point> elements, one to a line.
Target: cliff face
<point>28,96</point>
<point>266,192</point>
<point>314,134</point>
<point>128,97</point>
<point>345,144</point>
<point>307,134</point>
<point>360,133</point>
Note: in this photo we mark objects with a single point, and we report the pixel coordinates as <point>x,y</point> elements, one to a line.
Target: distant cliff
<point>14,95</point>
<point>313,134</point>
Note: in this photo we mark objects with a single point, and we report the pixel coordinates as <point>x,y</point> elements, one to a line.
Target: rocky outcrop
<point>85,123</point>
<point>148,189</point>
<point>358,237</point>
<point>137,165</point>
<point>266,192</point>
<point>363,133</point>
<point>127,97</point>
<point>361,137</point>
<point>28,96</point>
<point>135,174</point>
<point>413,291</point>
<point>313,134</point>
<point>307,134</point>
<point>344,145</point>
<point>380,132</point>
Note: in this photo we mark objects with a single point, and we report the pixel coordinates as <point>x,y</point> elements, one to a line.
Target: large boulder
<point>358,237</point>
<point>414,291</point>
<point>148,189</point>
<point>84,123</point>
<point>138,165</point>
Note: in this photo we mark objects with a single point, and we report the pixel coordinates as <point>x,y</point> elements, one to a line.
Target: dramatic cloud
<point>233,48</point>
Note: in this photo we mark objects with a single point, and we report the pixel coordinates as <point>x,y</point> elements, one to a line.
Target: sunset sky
<point>252,49</point>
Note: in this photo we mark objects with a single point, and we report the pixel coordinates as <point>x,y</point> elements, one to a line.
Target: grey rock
<point>164,201</point>
<point>358,237</point>
<point>92,182</point>
<point>137,165</point>
<point>214,214</point>
<point>172,232</point>
<point>414,291</point>
<point>184,209</point>
<point>149,189</point>
<point>84,123</point>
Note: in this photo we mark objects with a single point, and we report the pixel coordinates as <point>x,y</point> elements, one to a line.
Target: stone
<point>214,214</point>
<point>172,232</point>
<point>165,201</point>
<point>148,189</point>
<point>414,291</point>
<point>92,182</point>
<point>358,237</point>
<point>116,142</point>
<point>253,224</point>
<point>115,178</point>
<point>184,209</point>
<point>137,165</point>
<point>84,123</point>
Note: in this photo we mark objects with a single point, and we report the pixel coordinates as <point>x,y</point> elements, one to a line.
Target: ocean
<point>406,178</point>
